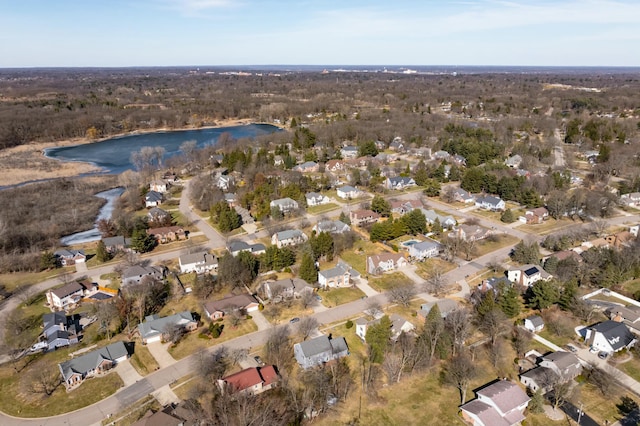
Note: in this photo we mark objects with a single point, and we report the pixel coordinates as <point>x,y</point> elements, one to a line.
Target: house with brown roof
<point>245,303</point>
<point>534,216</point>
<point>385,262</point>
<point>501,403</point>
<point>334,166</point>
<point>250,381</point>
<point>68,295</point>
<point>363,217</point>
<point>167,234</point>
<point>470,232</point>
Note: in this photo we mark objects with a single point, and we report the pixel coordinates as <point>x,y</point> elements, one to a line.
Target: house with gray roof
<point>331,227</point>
<point>445,306</point>
<point>153,199</point>
<point>68,257</point>
<point>245,303</point>
<point>93,364</point>
<point>463,196</point>
<point>117,244</point>
<point>513,161</point>
<point>338,276</point>
<point>286,288</point>
<point>425,249</point>
<point>609,336</point>
<point>552,368</point>
<point>399,325</point>
<point>137,273</point>
<point>236,247</point>
<point>320,350</point>
<point>534,323</point>
<point>307,167</point>
<point>66,296</point>
<point>154,327</point>
<point>198,262</point>
<point>316,199</point>
<point>491,203</point>
<point>349,151</point>
<point>156,214</point>
<point>399,182</point>
<point>285,205</point>
<point>431,216</point>
<point>61,330</point>
<point>501,403</point>
<point>290,237</point>
<point>347,192</point>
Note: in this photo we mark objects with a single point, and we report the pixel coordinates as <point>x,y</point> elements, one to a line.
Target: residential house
<point>117,244</point>
<point>501,403</point>
<point>137,273</point>
<point>459,160</point>
<point>466,232</point>
<point>399,182</point>
<point>167,234</point>
<point>243,303</point>
<point>629,315</point>
<point>441,155</point>
<point>290,237</point>
<point>61,330</point>
<point>251,381</point>
<point>235,247</point>
<point>159,186</point>
<point>619,240</point>
<point>404,207</point>
<point>631,200</point>
<point>513,161</point>
<point>565,255</point>
<point>609,336</point>
<point>399,325</point>
<point>198,262</point>
<point>334,166</point>
<point>534,216</point>
<point>170,177</point>
<point>153,199</point>
<point>633,230</point>
<point>363,217</point>
<point>230,198</point>
<point>68,257</point>
<point>223,182</point>
<point>285,205</point>
<point>320,350</point>
<point>527,275</point>
<point>490,202</point>
<point>348,192</point>
<point>161,418</point>
<point>340,275</point>
<point>316,199</point>
<point>555,367</point>
<point>286,288</point>
<point>155,328</point>
<point>380,145</point>
<point>445,306</point>
<point>349,151</point>
<point>66,296</point>
<point>331,227</point>
<point>156,214</point>
<point>307,167</point>
<point>93,364</point>
<point>397,144</point>
<point>462,196</point>
<point>385,262</point>
<point>278,160</point>
<point>493,284</point>
<point>431,216</point>
<point>534,323</point>
<point>424,249</point>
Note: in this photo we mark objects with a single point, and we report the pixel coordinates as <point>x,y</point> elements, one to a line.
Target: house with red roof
<point>251,381</point>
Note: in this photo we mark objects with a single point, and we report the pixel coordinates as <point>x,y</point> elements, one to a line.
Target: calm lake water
<point>105,213</point>
<point>113,155</point>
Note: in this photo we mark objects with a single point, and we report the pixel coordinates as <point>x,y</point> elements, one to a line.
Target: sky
<point>119,33</point>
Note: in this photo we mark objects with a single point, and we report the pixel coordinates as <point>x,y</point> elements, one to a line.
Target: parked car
<point>294,320</point>
<point>572,348</point>
<point>603,355</point>
<point>258,360</point>
<point>38,346</point>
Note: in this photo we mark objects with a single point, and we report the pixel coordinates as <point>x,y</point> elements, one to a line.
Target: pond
<point>114,155</point>
<point>105,213</point>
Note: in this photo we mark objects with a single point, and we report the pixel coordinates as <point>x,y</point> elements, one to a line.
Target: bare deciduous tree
<point>458,325</point>
<point>402,294</point>
<point>459,373</point>
<point>306,326</point>
<point>436,283</point>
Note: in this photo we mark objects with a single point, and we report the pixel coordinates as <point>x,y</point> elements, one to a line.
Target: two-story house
<point>250,381</point>
<point>320,350</point>
<point>286,288</point>
<point>285,205</point>
<point>316,199</point>
<point>198,262</point>
<point>425,249</point>
<point>385,262</point>
<point>527,275</point>
<point>330,227</point>
<point>338,276</point>
<point>499,403</point>
<point>290,237</point>
<point>363,217</point>
<point>348,192</point>
<point>609,336</point>
<point>491,203</point>
<point>555,367</point>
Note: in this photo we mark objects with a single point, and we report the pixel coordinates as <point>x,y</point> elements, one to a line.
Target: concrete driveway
<point>160,353</point>
<point>261,321</point>
<point>127,373</point>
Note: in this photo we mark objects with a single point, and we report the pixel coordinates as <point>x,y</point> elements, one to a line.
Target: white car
<point>38,346</point>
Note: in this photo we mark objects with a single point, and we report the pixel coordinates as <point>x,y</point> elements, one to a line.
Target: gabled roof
<point>347,188</point>
<point>153,196</point>
<point>232,302</point>
<point>87,362</point>
<point>203,258</point>
<point>289,234</point>
<point>489,199</point>
<point>426,245</point>
<point>154,325</point>
<point>336,271</point>
<point>252,376</point>
<point>616,333</point>
<point>284,202</point>
<point>68,289</point>
<point>562,359</point>
<point>296,283</point>
<point>323,344</point>
<point>505,394</point>
<point>312,195</point>
<point>138,270</point>
<point>536,320</point>
<point>116,241</point>
<point>68,253</point>
<point>385,257</point>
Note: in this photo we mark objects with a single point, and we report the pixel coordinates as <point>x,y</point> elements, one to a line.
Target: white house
<point>384,262</point>
<point>632,199</point>
<point>424,249</point>
<point>153,199</point>
<point>534,323</point>
<point>609,336</point>
<point>513,161</point>
<point>338,276</point>
<point>67,257</point>
<point>527,275</point>
<point>399,182</point>
<point>65,296</point>
<point>347,192</point>
<point>159,186</point>
<point>154,328</point>
<point>290,237</point>
<point>399,325</point>
<point>236,247</point>
<point>331,227</point>
<point>316,199</point>
<point>349,151</point>
<point>198,263</point>
<point>285,205</point>
<point>490,202</point>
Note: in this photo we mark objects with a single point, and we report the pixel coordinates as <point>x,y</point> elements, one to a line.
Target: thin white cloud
<point>197,8</point>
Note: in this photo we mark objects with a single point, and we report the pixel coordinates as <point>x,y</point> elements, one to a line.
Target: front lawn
<point>338,296</point>
<point>323,208</point>
<point>494,243</point>
<point>425,269</point>
<point>143,361</point>
<point>388,281</point>
<point>279,313</point>
<point>357,256</point>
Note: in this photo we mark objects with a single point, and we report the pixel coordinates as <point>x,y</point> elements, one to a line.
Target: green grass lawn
<point>387,281</point>
<point>357,256</point>
<point>323,208</point>
<point>279,313</point>
<point>338,296</point>
<point>488,246</point>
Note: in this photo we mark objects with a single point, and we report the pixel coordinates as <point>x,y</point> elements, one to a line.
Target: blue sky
<point>39,33</point>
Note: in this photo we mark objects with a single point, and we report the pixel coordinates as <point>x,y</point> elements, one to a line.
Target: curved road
<point>125,397</point>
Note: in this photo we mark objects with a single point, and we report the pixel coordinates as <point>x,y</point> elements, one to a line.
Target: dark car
<point>258,360</point>
<point>603,355</point>
<point>294,320</point>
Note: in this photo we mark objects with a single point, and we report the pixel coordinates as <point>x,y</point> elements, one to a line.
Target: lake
<point>105,213</point>
<point>113,155</point>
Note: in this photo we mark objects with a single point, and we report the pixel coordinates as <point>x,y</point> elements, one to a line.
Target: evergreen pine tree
<point>308,271</point>
<point>509,301</point>
<point>101,252</point>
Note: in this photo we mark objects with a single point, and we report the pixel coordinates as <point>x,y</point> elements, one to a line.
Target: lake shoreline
<point>28,163</point>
